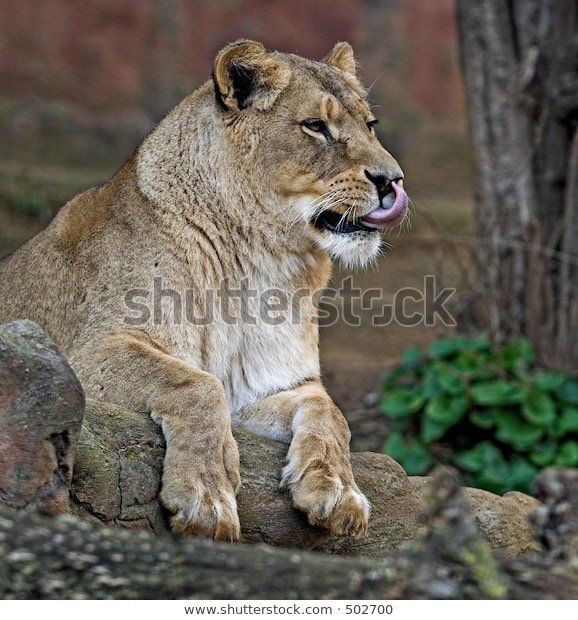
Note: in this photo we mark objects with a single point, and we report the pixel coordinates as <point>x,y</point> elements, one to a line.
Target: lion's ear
<point>245,74</point>
<point>342,57</point>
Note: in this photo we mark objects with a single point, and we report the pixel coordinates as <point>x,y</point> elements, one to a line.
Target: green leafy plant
<point>487,412</point>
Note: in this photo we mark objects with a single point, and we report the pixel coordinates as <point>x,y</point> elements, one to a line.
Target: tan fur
<point>226,187</point>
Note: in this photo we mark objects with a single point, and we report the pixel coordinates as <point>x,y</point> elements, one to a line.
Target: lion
<point>265,175</point>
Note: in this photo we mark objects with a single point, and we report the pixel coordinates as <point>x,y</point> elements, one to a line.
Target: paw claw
<point>204,502</point>
<point>328,495</point>
<point>212,517</point>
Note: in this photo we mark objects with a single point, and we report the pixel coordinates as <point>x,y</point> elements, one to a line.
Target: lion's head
<point>307,132</point>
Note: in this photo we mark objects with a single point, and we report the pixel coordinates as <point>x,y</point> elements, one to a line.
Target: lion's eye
<point>371,124</point>
<point>316,125</point>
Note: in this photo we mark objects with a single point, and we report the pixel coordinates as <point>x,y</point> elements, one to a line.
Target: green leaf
<point>468,460</point>
<point>568,454</point>
<point>401,402</point>
<point>430,385</point>
<point>448,379</point>
<point>478,343</point>
<point>481,455</point>
<point>513,430</point>
<point>410,355</point>
<point>395,446</point>
<point>483,418</point>
<point>544,453</point>
<point>445,348</point>
<point>432,430</point>
<point>548,381</point>
<point>475,365</point>
<point>496,392</point>
<point>391,378</point>
<point>518,355</point>
<point>567,422</point>
<point>446,409</point>
<point>522,475</point>
<point>496,477</point>
<point>568,392</point>
<point>417,460</point>
<point>469,362</point>
<point>538,408</point>
<point>526,349</point>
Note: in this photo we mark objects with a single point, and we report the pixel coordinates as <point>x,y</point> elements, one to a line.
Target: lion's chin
<point>351,250</point>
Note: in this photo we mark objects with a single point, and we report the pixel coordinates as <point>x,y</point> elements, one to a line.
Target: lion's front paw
<point>203,497</point>
<point>322,486</point>
<point>203,511</point>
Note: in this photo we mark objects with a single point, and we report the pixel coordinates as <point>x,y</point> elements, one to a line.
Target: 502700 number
<point>369,610</point>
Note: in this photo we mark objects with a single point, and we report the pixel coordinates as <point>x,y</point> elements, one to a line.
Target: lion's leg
<point>318,470</point>
<point>201,466</point>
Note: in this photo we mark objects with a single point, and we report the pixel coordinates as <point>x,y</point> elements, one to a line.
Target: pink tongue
<point>386,218</point>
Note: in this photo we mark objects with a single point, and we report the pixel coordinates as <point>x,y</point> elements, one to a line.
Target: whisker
<point>344,216</point>
<point>334,202</point>
<point>373,84</point>
<point>313,205</point>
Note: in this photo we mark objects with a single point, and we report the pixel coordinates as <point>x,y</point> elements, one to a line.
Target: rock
<point>556,520</point>
<point>41,411</point>
<point>117,479</point>
<point>503,521</point>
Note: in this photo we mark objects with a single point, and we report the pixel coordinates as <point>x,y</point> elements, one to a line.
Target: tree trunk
<point>43,557</point>
<point>520,66</point>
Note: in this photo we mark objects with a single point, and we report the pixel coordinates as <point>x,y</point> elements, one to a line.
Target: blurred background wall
<point>82,81</point>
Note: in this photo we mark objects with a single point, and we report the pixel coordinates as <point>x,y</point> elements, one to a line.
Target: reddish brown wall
<point>110,54</point>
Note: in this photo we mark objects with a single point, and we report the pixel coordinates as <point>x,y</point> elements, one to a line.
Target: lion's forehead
<point>356,107</point>
<point>328,80</point>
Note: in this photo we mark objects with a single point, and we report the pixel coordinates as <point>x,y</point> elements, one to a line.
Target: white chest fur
<point>253,360</point>
<point>256,350</point>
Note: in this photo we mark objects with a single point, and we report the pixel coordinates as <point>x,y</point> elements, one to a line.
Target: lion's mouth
<point>336,223</point>
<point>390,213</point>
<point>392,210</point>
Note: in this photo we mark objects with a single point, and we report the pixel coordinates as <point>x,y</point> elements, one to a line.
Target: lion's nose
<point>382,182</point>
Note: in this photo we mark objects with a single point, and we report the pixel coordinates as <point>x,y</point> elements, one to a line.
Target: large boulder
<point>41,410</point>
